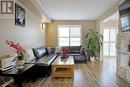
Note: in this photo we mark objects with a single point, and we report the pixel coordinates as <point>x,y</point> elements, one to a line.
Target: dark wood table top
<point>15,71</point>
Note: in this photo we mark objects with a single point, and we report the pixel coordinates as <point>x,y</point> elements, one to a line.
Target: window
<point>109,42</point>
<point>69,35</point>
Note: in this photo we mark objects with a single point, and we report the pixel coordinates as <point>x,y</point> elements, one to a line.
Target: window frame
<point>109,42</point>
<point>69,33</point>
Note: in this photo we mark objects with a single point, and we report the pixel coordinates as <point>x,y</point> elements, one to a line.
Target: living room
<point>43,28</point>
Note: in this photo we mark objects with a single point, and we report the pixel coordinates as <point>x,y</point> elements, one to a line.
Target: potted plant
<point>65,53</point>
<point>93,42</point>
<point>20,53</point>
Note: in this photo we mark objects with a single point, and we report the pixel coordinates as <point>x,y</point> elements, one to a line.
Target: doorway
<point>109,28</point>
<point>109,41</point>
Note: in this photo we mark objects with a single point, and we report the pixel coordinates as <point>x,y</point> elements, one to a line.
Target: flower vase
<point>20,64</point>
<point>64,57</point>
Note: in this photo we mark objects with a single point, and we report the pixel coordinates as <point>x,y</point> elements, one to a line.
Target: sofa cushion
<point>82,50</point>
<point>75,49</point>
<point>50,50</point>
<point>29,55</point>
<point>44,61</point>
<point>39,52</point>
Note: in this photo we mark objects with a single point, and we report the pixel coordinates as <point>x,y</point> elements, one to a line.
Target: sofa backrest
<point>50,50</point>
<point>39,52</point>
<point>73,48</point>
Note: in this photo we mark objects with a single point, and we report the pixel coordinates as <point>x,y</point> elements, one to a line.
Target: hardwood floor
<point>92,74</point>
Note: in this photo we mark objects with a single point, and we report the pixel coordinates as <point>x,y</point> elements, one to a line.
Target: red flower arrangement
<point>18,48</point>
<point>65,52</point>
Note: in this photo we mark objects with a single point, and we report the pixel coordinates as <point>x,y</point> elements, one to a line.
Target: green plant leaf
<point>94,41</point>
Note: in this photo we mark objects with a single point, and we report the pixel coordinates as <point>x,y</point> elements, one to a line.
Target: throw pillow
<point>29,55</point>
<point>50,50</point>
<point>82,50</point>
<point>57,50</point>
<point>39,52</point>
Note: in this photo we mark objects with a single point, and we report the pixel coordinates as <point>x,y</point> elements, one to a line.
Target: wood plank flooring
<point>92,74</point>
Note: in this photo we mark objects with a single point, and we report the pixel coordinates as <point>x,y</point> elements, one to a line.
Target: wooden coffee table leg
<point>53,72</point>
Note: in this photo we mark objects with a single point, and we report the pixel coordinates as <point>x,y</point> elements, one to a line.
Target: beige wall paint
<point>111,23</point>
<point>29,36</point>
<point>51,30</point>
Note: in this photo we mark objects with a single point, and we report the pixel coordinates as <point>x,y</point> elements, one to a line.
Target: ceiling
<point>114,16</point>
<point>75,9</point>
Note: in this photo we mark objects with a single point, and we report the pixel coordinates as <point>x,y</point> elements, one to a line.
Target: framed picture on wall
<point>19,15</point>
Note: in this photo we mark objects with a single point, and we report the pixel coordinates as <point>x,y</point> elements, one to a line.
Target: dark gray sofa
<point>79,53</point>
<point>43,59</point>
<point>45,56</point>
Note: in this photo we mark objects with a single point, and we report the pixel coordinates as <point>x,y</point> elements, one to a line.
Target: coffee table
<point>63,68</point>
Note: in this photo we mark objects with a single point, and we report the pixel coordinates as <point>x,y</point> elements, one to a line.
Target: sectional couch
<point>44,57</point>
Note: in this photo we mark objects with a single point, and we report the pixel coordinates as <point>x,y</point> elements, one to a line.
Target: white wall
<point>29,36</point>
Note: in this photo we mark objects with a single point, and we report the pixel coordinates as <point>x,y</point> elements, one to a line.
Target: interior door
<point>109,42</point>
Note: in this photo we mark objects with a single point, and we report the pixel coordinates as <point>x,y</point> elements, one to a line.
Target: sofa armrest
<point>44,61</point>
